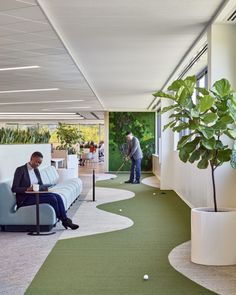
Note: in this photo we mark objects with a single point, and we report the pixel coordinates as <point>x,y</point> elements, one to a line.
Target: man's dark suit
<point>21,182</point>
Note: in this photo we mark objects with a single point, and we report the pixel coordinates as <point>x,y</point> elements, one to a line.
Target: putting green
<point>115,263</point>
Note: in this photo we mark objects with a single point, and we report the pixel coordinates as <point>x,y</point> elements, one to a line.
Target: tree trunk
<point>214,187</point>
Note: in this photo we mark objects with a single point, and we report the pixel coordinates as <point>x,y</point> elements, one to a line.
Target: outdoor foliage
<point>142,126</point>
<point>208,123</point>
<point>19,136</point>
<point>69,137</point>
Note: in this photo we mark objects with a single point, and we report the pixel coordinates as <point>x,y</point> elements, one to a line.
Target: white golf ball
<point>120,210</point>
<point>154,194</point>
<point>145,277</point>
<point>121,182</point>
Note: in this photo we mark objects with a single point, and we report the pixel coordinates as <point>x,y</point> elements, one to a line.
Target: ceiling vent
<point>232,17</point>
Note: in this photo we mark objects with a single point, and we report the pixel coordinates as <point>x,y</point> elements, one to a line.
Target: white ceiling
<point>113,54</point>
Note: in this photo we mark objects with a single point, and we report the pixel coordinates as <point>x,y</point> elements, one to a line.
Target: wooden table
<point>38,233</point>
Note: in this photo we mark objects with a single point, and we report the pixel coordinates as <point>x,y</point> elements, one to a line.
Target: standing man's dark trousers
<point>52,199</point>
<point>135,172</point>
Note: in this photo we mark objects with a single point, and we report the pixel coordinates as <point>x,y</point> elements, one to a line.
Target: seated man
<point>24,178</point>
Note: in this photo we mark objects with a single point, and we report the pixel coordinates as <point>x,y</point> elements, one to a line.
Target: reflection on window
<point>158,126</point>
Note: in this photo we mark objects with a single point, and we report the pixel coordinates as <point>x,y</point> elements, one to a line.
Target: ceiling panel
<point>111,54</point>
<point>27,38</point>
<point>128,48</point>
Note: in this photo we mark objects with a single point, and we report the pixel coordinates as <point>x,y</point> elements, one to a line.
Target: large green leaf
<point>163,94</point>
<point>209,118</point>
<point>166,109</point>
<point>205,103</point>
<point>207,132</point>
<point>179,115</point>
<point>226,119</point>
<point>180,127</point>
<point>224,155</point>
<point>184,139</point>
<point>183,155</point>
<point>222,87</point>
<point>189,84</point>
<point>176,85</point>
<point>195,156</point>
<point>203,164</point>
<point>209,143</point>
<point>193,124</point>
<point>231,133</point>
<point>189,147</point>
<point>195,113</point>
<point>185,99</point>
<point>203,91</point>
<point>232,109</point>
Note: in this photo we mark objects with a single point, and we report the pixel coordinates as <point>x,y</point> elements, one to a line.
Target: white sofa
<point>24,218</point>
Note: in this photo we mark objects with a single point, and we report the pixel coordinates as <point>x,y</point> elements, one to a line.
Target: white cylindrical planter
<point>72,165</point>
<point>213,236</point>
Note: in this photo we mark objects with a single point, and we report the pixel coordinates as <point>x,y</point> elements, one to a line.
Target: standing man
<point>135,154</point>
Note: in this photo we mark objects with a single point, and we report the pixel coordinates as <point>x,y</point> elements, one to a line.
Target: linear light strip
<point>30,90</point>
<point>21,113</point>
<point>26,2</point>
<point>39,118</point>
<point>40,102</point>
<point>19,68</point>
<point>25,19</point>
<point>67,108</point>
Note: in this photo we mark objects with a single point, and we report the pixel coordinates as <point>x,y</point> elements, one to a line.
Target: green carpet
<point>114,263</point>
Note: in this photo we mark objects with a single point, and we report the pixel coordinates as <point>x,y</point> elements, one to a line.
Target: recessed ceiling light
<point>29,90</point>
<point>19,68</point>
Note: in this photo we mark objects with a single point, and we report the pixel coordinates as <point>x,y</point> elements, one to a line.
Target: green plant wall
<point>142,125</point>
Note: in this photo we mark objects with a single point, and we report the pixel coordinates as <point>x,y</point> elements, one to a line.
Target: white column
<point>106,141</point>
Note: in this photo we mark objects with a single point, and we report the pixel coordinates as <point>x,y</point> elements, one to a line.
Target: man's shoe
<point>68,223</point>
<point>129,181</point>
<point>136,182</point>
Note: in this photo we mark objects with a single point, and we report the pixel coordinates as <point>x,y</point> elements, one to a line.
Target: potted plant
<point>209,125</point>
<point>69,137</point>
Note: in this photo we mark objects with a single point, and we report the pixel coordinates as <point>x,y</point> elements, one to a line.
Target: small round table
<point>38,233</point>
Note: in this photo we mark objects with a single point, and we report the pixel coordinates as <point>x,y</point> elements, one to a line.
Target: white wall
<point>192,184</point>
<point>167,148</point>
<point>222,53</point>
<point>15,155</point>
<point>222,64</point>
<point>106,141</point>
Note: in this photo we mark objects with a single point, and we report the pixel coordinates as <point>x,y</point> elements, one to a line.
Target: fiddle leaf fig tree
<point>69,136</point>
<point>206,123</point>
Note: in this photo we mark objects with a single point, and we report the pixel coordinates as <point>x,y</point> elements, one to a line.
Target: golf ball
<point>121,182</point>
<point>120,210</point>
<point>154,194</point>
<point>145,277</point>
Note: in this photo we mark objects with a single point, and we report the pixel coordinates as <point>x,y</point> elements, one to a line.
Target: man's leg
<point>138,170</point>
<point>131,177</point>
<point>52,199</point>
